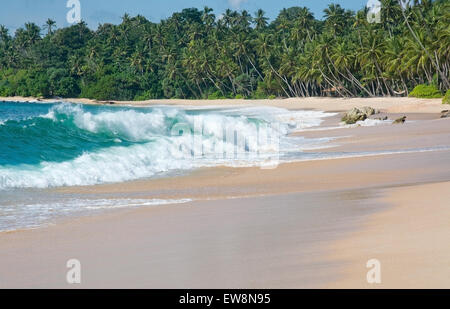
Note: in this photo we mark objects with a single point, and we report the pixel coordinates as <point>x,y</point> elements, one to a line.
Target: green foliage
<point>257,95</point>
<point>272,97</point>
<point>239,97</point>
<point>217,95</point>
<point>24,83</point>
<point>426,92</point>
<point>193,54</point>
<point>143,96</point>
<point>446,99</point>
<point>104,89</point>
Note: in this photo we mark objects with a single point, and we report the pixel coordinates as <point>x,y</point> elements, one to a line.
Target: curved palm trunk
<point>436,65</point>
<point>357,82</point>
<point>278,74</point>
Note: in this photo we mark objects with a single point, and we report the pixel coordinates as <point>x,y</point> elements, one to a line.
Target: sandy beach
<point>307,224</point>
<point>387,104</point>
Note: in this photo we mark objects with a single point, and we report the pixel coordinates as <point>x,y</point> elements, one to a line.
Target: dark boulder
<point>400,120</point>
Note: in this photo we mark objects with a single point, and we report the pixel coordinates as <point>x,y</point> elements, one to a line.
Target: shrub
<point>446,99</point>
<point>426,92</point>
<point>5,89</point>
<point>104,89</point>
<point>239,97</point>
<point>215,96</point>
<point>272,97</point>
<point>258,95</point>
<point>142,96</point>
<point>146,95</point>
<point>67,88</point>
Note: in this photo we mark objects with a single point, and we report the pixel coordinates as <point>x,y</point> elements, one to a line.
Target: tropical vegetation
<point>196,54</point>
<point>426,92</point>
<point>446,99</point>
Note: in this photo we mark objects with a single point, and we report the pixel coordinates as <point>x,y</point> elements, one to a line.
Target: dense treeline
<point>194,54</point>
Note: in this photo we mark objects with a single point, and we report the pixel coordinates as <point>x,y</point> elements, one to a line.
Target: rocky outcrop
<point>358,114</point>
<point>400,120</point>
<point>445,114</point>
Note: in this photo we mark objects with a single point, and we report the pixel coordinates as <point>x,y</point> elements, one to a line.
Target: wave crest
<point>151,147</point>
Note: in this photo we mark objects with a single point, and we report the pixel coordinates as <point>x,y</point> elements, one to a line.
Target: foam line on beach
<point>33,215</point>
<point>346,155</point>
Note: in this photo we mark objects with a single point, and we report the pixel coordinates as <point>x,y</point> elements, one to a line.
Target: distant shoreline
<point>326,104</point>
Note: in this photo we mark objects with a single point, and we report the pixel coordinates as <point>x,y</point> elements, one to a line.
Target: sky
<point>15,13</point>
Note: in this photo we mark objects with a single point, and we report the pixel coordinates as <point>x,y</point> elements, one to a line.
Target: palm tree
<point>344,60</point>
<point>245,19</point>
<point>370,56</point>
<point>4,36</point>
<point>32,33</point>
<point>207,17</point>
<point>432,59</point>
<point>305,21</point>
<point>228,18</point>
<point>390,13</point>
<point>260,20</point>
<point>137,60</point>
<point>49,24</point>
<point>335,19</point>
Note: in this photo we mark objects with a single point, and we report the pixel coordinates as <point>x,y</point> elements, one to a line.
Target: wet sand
<point>301,225</point>
<point>316,239</point>
<point>266,242</point>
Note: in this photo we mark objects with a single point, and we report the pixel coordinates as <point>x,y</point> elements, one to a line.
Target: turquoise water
<point>28,138</point>
<point>52,145</point>
<point>44,146</point>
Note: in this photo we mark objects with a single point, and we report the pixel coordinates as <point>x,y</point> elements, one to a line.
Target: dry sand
<point>410,240</point>
<point>301,225</point>
<point>387,104</point>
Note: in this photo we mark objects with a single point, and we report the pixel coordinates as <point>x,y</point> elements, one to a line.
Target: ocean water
<point>45,146</point>
<point>48,146</point>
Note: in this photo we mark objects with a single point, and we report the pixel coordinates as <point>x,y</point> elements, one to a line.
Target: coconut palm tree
<point>32,33</point>
<point>49,25</point>
<point>4,34</point>
<point>335,18</point>
<point>260,20</point>
<point>424,49</point>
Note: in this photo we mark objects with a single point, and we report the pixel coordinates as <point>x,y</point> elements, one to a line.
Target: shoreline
<point>218,244</point>
<point>325,104</point>
<point>301,225</point>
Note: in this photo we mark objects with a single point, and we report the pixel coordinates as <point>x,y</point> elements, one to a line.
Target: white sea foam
<point>135,125</point>
<point>158,151</point>
<point>348,155</point>
<point>368,123</point>
<point>30,215</point>
<point>295,120</point>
